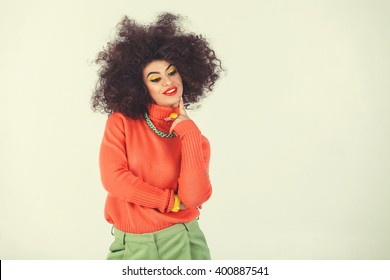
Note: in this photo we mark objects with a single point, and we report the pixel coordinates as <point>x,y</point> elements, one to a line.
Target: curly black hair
<point>120,87</point>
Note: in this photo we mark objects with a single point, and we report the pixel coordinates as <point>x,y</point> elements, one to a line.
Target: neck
<point>161,112</point>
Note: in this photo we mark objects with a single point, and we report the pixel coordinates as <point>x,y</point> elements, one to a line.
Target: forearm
<point>194,182</point>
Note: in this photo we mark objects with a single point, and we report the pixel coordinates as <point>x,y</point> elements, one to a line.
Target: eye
<point>154,79</point>
<point>172,71</point>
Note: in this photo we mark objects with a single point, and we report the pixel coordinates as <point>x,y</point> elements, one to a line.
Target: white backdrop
<point>299,127</point>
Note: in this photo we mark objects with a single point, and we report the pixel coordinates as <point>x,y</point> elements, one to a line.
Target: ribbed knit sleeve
<point>194,182</point>
<point>116,177</point>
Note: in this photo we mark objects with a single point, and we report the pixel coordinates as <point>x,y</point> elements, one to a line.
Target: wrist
<point>185,126</point>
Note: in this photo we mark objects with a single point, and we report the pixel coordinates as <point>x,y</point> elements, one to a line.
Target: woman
<point>153,159</point>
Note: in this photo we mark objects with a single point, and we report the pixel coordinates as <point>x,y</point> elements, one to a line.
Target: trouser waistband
<point>152,236</point>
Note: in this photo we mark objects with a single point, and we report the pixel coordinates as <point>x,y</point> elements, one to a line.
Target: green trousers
<point>184,241</point>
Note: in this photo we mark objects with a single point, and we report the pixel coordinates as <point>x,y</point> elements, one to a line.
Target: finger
<point>173,125</point>
<point>169,119</point>
<point>171,129</point>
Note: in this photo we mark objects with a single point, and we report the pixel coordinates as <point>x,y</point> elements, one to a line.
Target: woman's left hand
<point>182,116</point>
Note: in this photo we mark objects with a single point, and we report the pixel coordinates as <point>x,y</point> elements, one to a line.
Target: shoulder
<point>118,118</point>
<point>115,117</point>
<point>120,123</point>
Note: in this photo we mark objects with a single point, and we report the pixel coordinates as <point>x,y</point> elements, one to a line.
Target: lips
<point>170,91</point>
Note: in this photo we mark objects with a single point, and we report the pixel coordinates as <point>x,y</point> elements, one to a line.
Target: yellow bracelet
<point>176,204</point>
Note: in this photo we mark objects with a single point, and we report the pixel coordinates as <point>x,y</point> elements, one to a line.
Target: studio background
<point>299,126</point>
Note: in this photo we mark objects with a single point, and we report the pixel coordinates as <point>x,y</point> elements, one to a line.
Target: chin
<point>176,104</point>
<point>169,101</point>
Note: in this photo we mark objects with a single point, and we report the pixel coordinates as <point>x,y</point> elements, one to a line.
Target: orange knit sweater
<point>142,171</point>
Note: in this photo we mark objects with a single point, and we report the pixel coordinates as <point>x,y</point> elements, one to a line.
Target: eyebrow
<point>150,73</point>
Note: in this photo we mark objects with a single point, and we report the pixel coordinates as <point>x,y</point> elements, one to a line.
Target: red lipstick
<point>170,91</point>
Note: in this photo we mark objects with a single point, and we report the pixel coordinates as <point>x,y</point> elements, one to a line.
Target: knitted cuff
<point>185,126</point>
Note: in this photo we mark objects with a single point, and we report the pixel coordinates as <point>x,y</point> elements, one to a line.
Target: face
<point>163,82</point>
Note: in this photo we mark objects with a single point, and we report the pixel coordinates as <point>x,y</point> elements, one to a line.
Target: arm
<point>194,183</point>
<point>116,177</point>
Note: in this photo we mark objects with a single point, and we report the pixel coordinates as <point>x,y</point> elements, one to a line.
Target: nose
<point>167,81</point>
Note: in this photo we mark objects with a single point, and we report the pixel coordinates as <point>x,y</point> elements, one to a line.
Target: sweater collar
<point>160,112</point>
